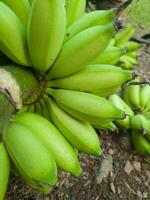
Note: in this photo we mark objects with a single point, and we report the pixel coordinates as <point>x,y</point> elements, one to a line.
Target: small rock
<point>128,167</point>
<point>137,165</point>
<point>145,195</point>
<point>111,152</point>
<point>139,194</point>
<point>138,179</point>
<point>105,168</point>
<point>118,190</point>
<point>112,187</point>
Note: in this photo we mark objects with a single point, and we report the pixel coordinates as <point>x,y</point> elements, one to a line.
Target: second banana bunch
<point>135,102</point>
<point>83,61</point>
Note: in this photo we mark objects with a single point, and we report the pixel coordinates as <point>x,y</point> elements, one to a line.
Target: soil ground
<point>120,174</point>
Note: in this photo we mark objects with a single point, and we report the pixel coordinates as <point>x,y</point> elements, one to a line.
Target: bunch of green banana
<point>137,96</point>
<point>76,55</point>
<point>122,40</point>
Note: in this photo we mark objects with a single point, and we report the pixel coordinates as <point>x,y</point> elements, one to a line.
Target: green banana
<point>140,143</point>
<point>46,32</point>
<point>93,78</point>
<point>21,8</point>
<point>130,46</point>
<point>108,126</point>
<point>13,36</point>
<point>98,17</point>
<point>47,102</point>
<point>119,103</point>
<point>74,9</point>
<point>111,43</point>
<point>124,35</point>
<point>4,171</point>
<point>80,134</point>
<point>132,95</point>
<point>110,56</point>
<point>31,108</point>
<point>52,139</point>
<point>132,54</point>
<point>106,92</point>
<point>44,109</point>
<point>140,123</point>
<point>128,62</point>
<point>38,109</point>
<point>27,151</point>
<point>144,96</point>
<point>81,50</point>
<point>126,65</point>
<point>98,108</point>
<point>87,118</point>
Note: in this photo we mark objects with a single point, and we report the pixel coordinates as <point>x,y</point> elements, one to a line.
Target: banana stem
<point>19,87</point>
<point>127,84</point>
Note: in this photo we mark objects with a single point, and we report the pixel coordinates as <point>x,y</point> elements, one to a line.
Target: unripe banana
<point>74,9</point>
<point>124,35</point>
<point>80,134</point>
<point>128,62</point>
<point>119,103</point>
<point>130,46</point>
<point>38,109</point>
<point>31,108</point>
<point>110,56</point>
<point>44,109</point>
<point>140,123</point>
<point>93,78</point>
<point>81,50</point>
<point>21,8</point>
<point>48,134</point>
<point>132,54</point>
<point>144,96</point>
<point>32,159</point>
<point>98,17</point>
<point>132,95</point>
<point>108,126</point>
<point>106,92</point>
<point>13,36</point>
<point>140,143</point>
<point>46,32</point>
<point>98,108</point>
<point>111,43</point>
<point>4,171</point>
